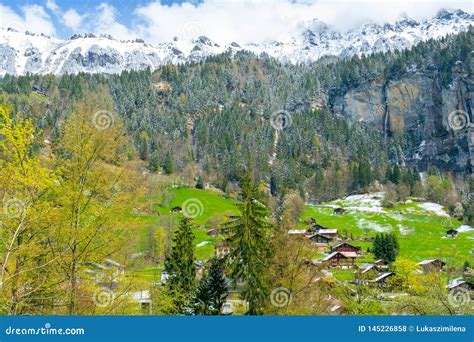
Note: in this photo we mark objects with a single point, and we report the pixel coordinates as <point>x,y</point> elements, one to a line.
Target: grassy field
<point>208,209</point>
<point>420,228</point>
<point>421,232</point>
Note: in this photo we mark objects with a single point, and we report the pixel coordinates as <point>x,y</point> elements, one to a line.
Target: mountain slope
<point>21,53</point>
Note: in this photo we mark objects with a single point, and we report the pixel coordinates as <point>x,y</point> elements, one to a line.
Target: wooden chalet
<point>382,279</point>
<point>319,238</point>
<point>370,269</point>
<point>339,211</point>
<point>340,259</point>
<point>381,263</point>
<point>176,209</point>
<point>460,283</point>
<point>431,265</point>
<point>345,247</point>
<point>330,233</point>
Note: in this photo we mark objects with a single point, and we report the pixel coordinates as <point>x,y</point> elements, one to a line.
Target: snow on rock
<point>23,52</point>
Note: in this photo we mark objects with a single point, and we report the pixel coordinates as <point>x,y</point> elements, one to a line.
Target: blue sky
<point>221,20</point>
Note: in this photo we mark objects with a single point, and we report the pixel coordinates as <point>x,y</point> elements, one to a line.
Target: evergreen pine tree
<point>211,292</point>
<point>199,184</point>
<point>168,164</point>
<point>396,175</point>
<point>250,242</point>
<point>179,263</point>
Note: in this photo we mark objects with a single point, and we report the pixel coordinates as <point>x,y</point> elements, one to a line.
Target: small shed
<point>431,265</point>
<point>339,211</point>
<point>381,279</point>
<point>452,233</point>
<point>460,283</point>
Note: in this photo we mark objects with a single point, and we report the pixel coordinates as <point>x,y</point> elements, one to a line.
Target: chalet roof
<point>329,256</point>
<point>429,261</point>
<point>318,234</point>
<point>327,231</point>
<point>368,268</point>
<point>383,276</point>
<point>350,254</point>
<point>456,282</point>
<point>344,243</point>
<point>113,263</point>
<point>344,254</point>
<point>296,231</point>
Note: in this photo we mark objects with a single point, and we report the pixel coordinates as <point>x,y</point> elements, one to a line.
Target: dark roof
<point>345,243</point>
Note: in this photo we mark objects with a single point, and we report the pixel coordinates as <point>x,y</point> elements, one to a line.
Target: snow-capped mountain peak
<point>26,52</point>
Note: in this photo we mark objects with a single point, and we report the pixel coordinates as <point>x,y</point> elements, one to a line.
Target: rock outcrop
<point>438,121</point>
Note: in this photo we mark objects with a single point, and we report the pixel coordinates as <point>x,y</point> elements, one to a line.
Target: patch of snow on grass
<point>433,208</point>
<point>203,243</point>
<point>465,228</point>
<point>366,202</point>
<point>405,230</point>
<point>397,217</point>
<point>366,224</point>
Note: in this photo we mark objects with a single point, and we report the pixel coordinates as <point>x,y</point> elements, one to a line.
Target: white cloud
<point>51,5</point>
<point>37,20</point>
<point>224,21</point>
<point>106,22</point>
<point>32,18</point>
<point>258,20</point>
<point>71,19</point>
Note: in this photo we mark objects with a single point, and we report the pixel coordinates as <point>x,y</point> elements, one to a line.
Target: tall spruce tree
<point>212,291</point>
<point>250,242</point>
<point>386,246</point>
<point>179,264</point>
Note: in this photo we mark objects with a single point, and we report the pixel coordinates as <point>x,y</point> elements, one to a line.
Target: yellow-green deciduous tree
<point>24,182</point>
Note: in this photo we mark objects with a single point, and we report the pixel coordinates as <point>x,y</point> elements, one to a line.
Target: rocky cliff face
<point>438,121</point>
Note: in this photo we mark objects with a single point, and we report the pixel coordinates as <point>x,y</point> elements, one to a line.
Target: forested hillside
<point>163,169</point>
<point>217,115</point>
